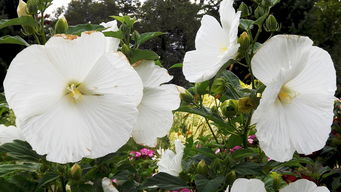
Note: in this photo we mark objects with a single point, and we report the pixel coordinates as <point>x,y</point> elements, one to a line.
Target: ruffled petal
<point>113,43</point>
<point>170,162</point>
<point>152,75</point>
<point>227,13</point>
<point>32,82</point>
<point>108,186</point>
<point>281,52</point>
<point>247,185</point>
<point>303,185</point>
<point>10,133</point>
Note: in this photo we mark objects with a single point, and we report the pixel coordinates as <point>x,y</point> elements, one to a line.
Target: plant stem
<point>209,126</point>
<point>246,129</point>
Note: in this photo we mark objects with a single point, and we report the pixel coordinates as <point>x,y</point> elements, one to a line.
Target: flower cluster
<point>144,152</point>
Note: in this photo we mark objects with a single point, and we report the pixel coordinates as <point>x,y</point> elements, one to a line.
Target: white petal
<point>152,75</point>
<point>113,43</point>
<point>111,25</point>
<point>75,58</point>
<point>233,30</point>
<point>108,186</point>
<point>281,51</point>
<point>32,82</point>
<point>170,162</point>
<point>155,114</point>
<point>210,36</point>
<point>10,133</point>
<point>227,13</point>
<point>303,185</point>
<point>247,185</point>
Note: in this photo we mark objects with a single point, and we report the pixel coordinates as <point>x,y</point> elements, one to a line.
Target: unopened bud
<point>229,107</point>
<point>271,24</point>
<point>202,167</point>
<point>201,88</point>
<point>244,41</point>
<point>218,86</point>
<point>185,95</point>
<point>61,25</point>
<point>277,179</point>
<point>76,171</point>
<point>245,105</point>
<point>259,12</point>
<point>22,9</point>
<point>244,9</point>
<point>33,6</point>
<point>231,176</point>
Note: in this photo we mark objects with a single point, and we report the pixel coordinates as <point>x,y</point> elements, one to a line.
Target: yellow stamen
<point>223,49</point>
<point>72,90</point>
<point>286,94</point>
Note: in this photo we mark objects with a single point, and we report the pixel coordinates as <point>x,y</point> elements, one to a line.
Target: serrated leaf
<point>148,36</point>
<point>13,40</point>
<point>78,29</point>
<point>164,181</point>
<point>24,20</point>
<point>206,185</point>
<point>140,54</point>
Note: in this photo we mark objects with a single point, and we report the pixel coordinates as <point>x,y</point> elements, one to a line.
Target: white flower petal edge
<point>303,185</point>
<point>296,109</point>
<point>247,185</point>
<point>10,133</point>
<point>113,43</point>
<point>72,98</point>
<point>215,44</point>
<point>170,162</point>
<point>155,110</point>
<point>108,186</point>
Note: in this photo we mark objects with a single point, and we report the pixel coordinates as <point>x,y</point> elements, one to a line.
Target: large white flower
<point>155,110</point>
<point>247,185</point>
<point>296,109</point>
<point>113,43</point>
<point>72,98</point>
<point>215,44</point>
<point>10,133</point>
<point>108,186</point>
<point>303,185</point>
<point>170,162</point>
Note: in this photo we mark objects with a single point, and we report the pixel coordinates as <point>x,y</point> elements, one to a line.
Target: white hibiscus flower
<point>170,162</point>
<point>72,98</point>
<point>113,43</point>
<point>108,186</point>
<point>155,110</point>
<point>296,109</point>
<point>303,185</point>
<point>215,44</point>
<point>10,133</point>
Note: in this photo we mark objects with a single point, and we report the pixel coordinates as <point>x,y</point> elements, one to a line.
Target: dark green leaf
<point>139,54</point>
<point>246,24</point>
<point>164,181</point>
<point>46,179</point>
<point>177,65</point>
<point>115,34</point>
<point>24,20</point>
<point>205,185</point>
<point>20,150</point>
<point>248,168</point>
<point>13,40</point>
<point>83,188</point>
<point>6,169</point>
<point>78,29</point>
<point>147,36</point>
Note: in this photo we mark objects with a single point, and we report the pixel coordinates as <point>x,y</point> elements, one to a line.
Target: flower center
<point>286,94</point>
<point>73,91</point>
<point>223,49</point>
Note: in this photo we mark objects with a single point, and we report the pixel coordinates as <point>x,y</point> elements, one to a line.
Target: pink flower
<point>235,148</point>
<point>182,190</point>
<point>251,138</point>
<point>147,152</point>
<point>114,180</point>
<point>217,151</point>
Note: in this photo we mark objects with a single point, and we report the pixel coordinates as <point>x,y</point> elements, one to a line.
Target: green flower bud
<point>218,86</point>
<point>277,180</point>
<point>244,41</point>
<point>259,12</point>
<point>245,105</point>
<point>244,9</point>
<point>185,95</point>
<point>33,6</point>
<point>202,167</point>
<point>22,9</point>
<point>271,24</point>
<point>229,107</point>
<point>201,88</point>
<point>76,172</point>
<point>231,176</point>
<point>61,25</point>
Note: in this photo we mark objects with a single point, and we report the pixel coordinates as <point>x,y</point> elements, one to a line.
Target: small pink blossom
<point>217,151</point>
<point>114,180</point>
<point>182,190</point>
<point>147,152</point>
<point>235,148</point>
<point>251,138</point>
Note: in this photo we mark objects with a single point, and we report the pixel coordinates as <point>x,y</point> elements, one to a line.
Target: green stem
<point>209,126</point>
<point>43,35</point>
<point>246,129</point>
<point>36,38</point>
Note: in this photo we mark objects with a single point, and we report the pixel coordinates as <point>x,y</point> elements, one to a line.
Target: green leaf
<point>20,150</point>
<point>177,65</point>
<point>115,34</point>
<point>248,168</point>
<point>243,153</point>
<point>83,188</point>
<point>125,19</point>
<point>13,40</point>
<point>232,84</point>
<point>148,36</point>
<point>24,20</point>
<point>205,185</point>
<point>164,181</point>
<point>46,179</point>
<point>6,169</point>
<point>139,54</point>
<point>78,29</point>
<point>246,24</point>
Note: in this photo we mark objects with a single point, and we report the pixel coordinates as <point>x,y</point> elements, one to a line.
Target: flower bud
<point>201,88</point>
<point>229,107</point>
<point>271,24</point>
<point>33,6</point>
<point>244,9</point>
<point>245,105</point>
<point>244,41</point>
<point>231,176</point>
<point>76,172</point>
<point>202,167</point>
<point>277,180</point>
<point>259,12</point>
<point>218,86</point>
<point>185,95</point>
<point>22,9</point>
<point>61,26</point>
